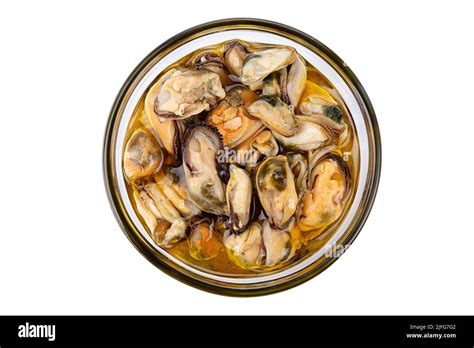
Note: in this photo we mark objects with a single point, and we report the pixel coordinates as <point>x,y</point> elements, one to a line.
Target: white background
<point>61,66</point>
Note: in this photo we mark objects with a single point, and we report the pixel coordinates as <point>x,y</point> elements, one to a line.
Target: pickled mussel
<point>259,247</point>
<point>261,63</point>
<point>200,147</point>
<point>232,119</point>
<point>322,204</point>
<point>235,53</point>
<point>142,155</point>
<point>166,129</point>
<point>246,249</point>
<point>296,80</point>
<point>311,135</point>
<point>265,143</point>
<point>276,190</point>
<point>239,197</point>
<point>185,93</point>
<point>275,114</point>
<point>204,241</point>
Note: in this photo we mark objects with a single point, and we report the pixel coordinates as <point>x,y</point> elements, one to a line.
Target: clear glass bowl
<point>330,65</point>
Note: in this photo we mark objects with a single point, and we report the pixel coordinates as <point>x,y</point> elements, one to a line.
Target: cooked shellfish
<point>278,245</point>
<point>209,60</point>
<point>271,85</point>
<point>201,145</point>
<point>204,242</point>
<point>259,64</point>
<point>323,203</point>
<point>174,233</point>
<point>265,143</point>
<point>170,185</point>
<point>275,114</point>
<point>234,56</point>
<point>296,81</point>
<point>142,156</point>
<point>299,167</point>
<point>239,197</point>
<point>188,92</point>
<point>163,226</point>
<point>231,118</point>
<point>259,247</point>
<point>316,100</point>
<point>165,129</point>
<point>246,249</point>
<point>311,135</point>
<point>276,190</point>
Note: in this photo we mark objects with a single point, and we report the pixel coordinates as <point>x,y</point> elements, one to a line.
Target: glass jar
<point>331,66</point>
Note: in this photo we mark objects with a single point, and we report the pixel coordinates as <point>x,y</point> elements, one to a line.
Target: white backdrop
<point>61,66</point>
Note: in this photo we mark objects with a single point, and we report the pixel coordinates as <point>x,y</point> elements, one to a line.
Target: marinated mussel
<point>316,100</point>
<point>275,114</point>
<point>246,249</point>
<point>265,143</point>
<point>165,224</point>
<point>311,135</point>
<point>185,93</point>
<point>296,81</point>
<point>232,119</point>
<point>239,197</point>
<point>235,53</point>
<point>143,156</point>
<point>200,147</point>
<point>204,242</point>
<point>329,184</point>
<point>166,129</point>
<point>259,64</point>
<point>276,190</point>
<point>299,167</point>
<point>259,247</point>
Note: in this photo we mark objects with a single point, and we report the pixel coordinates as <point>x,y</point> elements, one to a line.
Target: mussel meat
<point>234,55</point>
<point>323,202</point>
<point>271,85</point>
<point>278,245</point>
<point>246,249</point>
<point>296,81</point>
<point>316,100</point>
<point>231,118</point>
<point>259,64</point>
<point>259,247</point>
<point>209,60</point>
<point>299,167</point>
<point>165,129</point>
<point>265,143</point>
<point>239,198</point>
<point>170,185</point>
<point>142,156</point>
<point>200,147</point>
<point>311,135</point>
<point>275,114</point>
<point>204,242</point>
<point>276,190</point>
<point>164,227</point>
<point>188,92</point>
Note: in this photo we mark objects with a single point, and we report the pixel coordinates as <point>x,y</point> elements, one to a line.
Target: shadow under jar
<point>242,157</point>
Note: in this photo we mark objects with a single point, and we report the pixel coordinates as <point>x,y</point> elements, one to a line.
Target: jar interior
<point>327,73</point>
